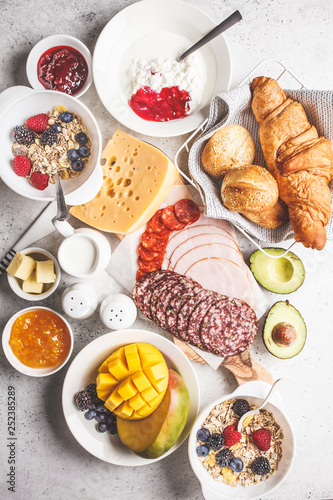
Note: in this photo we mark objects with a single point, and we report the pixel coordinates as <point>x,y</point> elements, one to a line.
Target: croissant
<point>300,161</point>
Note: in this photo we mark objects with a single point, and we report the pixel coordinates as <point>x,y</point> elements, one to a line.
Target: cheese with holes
<point>133,380</point>
<point>137,178</point>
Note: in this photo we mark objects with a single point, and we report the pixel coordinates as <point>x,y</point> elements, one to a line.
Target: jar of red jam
<point>62,68</point>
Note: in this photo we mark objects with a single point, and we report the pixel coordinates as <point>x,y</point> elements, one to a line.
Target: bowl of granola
<point>248,464</point>
<point>47,134</point>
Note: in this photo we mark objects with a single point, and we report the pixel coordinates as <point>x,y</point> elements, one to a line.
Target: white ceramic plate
<point>83,371</point>
<point>149,30</point>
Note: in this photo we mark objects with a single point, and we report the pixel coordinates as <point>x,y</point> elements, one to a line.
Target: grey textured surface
<point>50,464</point>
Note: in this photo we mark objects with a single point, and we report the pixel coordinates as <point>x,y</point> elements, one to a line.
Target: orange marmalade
<point>40,339</point>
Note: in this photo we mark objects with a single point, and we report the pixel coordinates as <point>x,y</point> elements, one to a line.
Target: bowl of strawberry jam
<point>37,341</point>
<point>61,63</point>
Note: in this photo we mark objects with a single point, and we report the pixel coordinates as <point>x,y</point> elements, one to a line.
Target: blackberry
<point>82,400</point>
<point>23,135</point>
<point>240,407</point>
<point>224,457</point>
<point>49,137</point>
<point>91,389</point>
<point>260,466</point>
<point>215,441</point>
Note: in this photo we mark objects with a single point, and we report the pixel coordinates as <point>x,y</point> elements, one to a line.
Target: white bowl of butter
<point>33,274</point>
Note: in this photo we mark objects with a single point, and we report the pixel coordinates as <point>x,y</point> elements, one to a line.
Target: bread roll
<point>249,189</point>
<point>230,147</point>
<point>270,218</point>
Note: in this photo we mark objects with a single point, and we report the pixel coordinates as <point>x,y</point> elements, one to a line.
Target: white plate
<point>156,29</point>
<point>83,371</point>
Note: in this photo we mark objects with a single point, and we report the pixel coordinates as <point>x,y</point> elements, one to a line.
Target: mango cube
<point>133,380</point>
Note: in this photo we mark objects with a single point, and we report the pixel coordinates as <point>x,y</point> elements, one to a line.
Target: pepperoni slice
<point>157,226</point>
<point>187,211</point>
<point>153,243</point>
<point>148,255</point>
<point>149,267</point>
<point>170,220</point>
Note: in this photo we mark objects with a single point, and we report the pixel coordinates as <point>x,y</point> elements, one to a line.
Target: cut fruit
<point>132,381</point>
<point>284,332</point>
<point>279,275</point>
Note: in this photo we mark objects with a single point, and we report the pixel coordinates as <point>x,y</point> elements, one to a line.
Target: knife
<point>42,226</point>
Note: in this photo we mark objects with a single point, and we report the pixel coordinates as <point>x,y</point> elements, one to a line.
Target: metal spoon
<point>62,211</point>
<point>220,28</point>
<point>253,412</point>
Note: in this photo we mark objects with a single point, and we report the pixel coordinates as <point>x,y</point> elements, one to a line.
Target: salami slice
<point>165,299</point>
<point>163,285</point>
<point>157,226</point>
<point>187,211</point>
<point>229,327</point>
<point>186,310</point>
<point>153,243</point>
<point>144,288</point>
<point>179,299</point>
<point>150,266</point>
<point>197,316</point>
<point>148,255</point>
<point>170,220</point>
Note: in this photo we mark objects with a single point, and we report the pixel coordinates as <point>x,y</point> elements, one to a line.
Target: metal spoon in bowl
<point>253,412</point>
<point>220,28</point>
<point>62,211</point>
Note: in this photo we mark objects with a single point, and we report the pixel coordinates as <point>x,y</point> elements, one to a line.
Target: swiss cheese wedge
<point>137,178</point>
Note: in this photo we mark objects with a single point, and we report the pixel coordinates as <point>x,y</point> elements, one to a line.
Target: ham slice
<point>222,276</point>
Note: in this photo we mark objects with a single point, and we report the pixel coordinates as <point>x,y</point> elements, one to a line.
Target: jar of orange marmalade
<point>40,338</point>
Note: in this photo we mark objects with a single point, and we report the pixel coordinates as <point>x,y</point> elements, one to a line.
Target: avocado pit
<point>284,334</point>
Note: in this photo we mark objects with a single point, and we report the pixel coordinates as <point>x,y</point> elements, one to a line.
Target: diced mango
<point>149,394</point>
<point>127,389</point>
<point>141,381</point>
<point>124,410</point>
<point>136,402</point>
<point>118,369</point>
<point>133,380</point>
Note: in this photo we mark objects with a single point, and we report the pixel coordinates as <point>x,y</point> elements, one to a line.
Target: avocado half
<point>283,275</point>
<point>284,332</point>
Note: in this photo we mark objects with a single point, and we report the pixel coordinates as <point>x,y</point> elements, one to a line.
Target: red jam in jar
<point>62,68</point>
<point>170,103</point>
<point>40,339</point>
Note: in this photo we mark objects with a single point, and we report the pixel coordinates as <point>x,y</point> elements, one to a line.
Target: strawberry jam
<point>170,103</point>
<point>62,68</point>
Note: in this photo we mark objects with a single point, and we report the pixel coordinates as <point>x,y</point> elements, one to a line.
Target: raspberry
<point>21,165</point>
<point>23,135</point>
<point>39,180</point>
<point>231,435</point>
<point>262,439</point>
<point>38,123</point>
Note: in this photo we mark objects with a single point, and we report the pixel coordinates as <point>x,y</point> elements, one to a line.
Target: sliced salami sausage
<point>187,211</point>
<point>170,220</point>
<point>163,285</point>
<point>229,327</point>
<point>176,303</point>
<point>157,226</point>
<point>144,287</point>
<point>186,310</point>
<point>197,316</point>
<point>164,302</point>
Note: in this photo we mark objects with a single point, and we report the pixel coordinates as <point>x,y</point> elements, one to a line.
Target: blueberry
<point>202,450</point>
<point>81,138</point>
<point>66,117</point>
<point>57,127</point>
<point>236,464</point>
<point>73,154</point>
<point>102,408</point>
<point>84,151</point>
<point>92,406</point>
<point>101,427</point>
<point>100,417</point>
<point>77,165</point>
<point>112,428</point>
<point>90,414</point>
<point>203,434</point>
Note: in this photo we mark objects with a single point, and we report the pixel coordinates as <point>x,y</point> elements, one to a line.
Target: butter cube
<point>21,266</point>
<point>45,271</point>
<point>30,285</point>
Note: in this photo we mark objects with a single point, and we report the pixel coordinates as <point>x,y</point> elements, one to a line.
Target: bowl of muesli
<point>247,464</point>
<point>46,134</point>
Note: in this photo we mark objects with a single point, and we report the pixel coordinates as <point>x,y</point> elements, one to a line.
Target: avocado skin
<point>260,266</point>
<point>282,311</point>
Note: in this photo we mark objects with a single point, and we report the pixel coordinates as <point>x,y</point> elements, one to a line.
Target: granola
<point>221,416</point>
<point>53,160</point>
